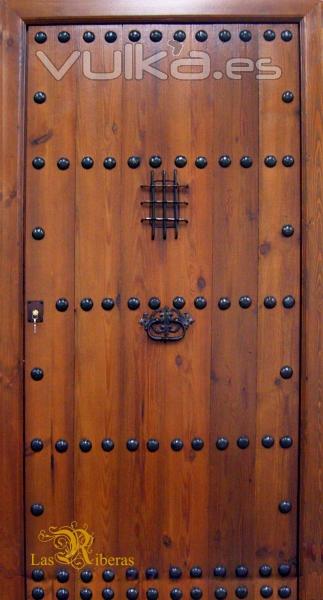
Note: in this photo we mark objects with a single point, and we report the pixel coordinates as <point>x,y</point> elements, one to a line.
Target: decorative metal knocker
<point>166,324</point>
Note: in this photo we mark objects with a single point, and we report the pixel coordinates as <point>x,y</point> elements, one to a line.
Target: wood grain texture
<point>12,51</point>
<point>311,515</point>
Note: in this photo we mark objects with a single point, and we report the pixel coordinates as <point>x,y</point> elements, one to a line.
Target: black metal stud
<point>179,302</point>
<point>86,304</point>
<point>197,444</point>
<point>270,161</point>
<point>107,303</point>
<point>224,303</point>
<point>37,509</point>
<point>86,594</point>
<point>38,574</point>
<point>287,96</point>
<point>63,164</point>
<point>224,161</point>
<point>245,35</point>
<point>286,441</point>
<point>245,301</point>
<point>243,442</point>
<point>284,569</point>
<point>107,594</point>
<point>62,576</point>
<point>133,162</point>
<point>61,304</point>
<point>110,37</point>
<point>85,445</point>
<point>200,302</point>
<point>265,571</point>
<point>37,374</point>
<point>156,35</point>
<point>287,230</point>
<point>152,594</point>
<point>285,506</point>
<point>286,372</point>
<point>88,37</point>
<point>176,594</point>
<point>108,575</point>
<point>219,571</point>
<point>40,97</point>
<point>61,446</point>
<point>38,593</point>
<point>196,593</point>
<point>152,445</point>
<point>38,163</point>
<point>180,161</point>
<point>288,302</point>
<point>288,160</point>
<point>132,573</point>
<point>269,35</point>
<point>36,445</point>
<point>38,233</point>
<point>40,37</point>
<point>286,35</point>
<point>284,591</point>
<point>222,443</point>
<point>179,35</point>
<point>225,35</point>
<point>132,594</point>
<point>266,591</point>
<point>176,445</point>
<point>267,441</point>
<point>87,162</point>
<point>107,445</point>
<point>201,162</point>
<point>220,593</point>
<point>241,571</point>
<point>133,303</point>
<point>86,575</point>
<point>154,303</point>
<point>109,163</point>
<point>196,572</point>
<point>270,302</point>
<point>246,162</point>
<point>64,37</point>
<point>201,36</point>
<point>134,35</point>
<point>241,591</point>
<point>155,161</point>
<point>132,445</point>
<point>151,573</point>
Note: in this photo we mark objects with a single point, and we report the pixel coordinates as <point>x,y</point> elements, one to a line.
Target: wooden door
<point>156,467</point>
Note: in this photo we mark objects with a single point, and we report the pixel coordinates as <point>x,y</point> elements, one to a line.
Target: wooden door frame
<point>16,15</point>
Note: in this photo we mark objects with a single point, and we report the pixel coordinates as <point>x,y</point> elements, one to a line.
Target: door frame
<point>15,16</point>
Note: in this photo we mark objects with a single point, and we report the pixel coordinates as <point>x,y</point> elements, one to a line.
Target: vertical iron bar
<point>164,206</point>
<point>176,205</point>
<point>153,205</point>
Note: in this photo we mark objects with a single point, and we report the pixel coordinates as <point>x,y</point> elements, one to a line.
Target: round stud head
<point>201,36</point>
<point>288,160</point>
<point>197,444</point>
<point>107,303</point>
<point>286,35</point>
<point>245,35</point>
<point>154,303</point>
<point>265,571</point>
<point>88,37</point>
<point>266,591</point>
<point>285,506</point>
<point>179,35</point>
<point>270,302</point>
<point>62,594</point>
<point>107,445</point>
<point>224,161</point>
<point>180,161</point>
<point>219,571</point>
<point>224,303</point>
<point>200,162</point>
<point>63,164</point>
<point>61,446</point>
<point>287,230</point>
<point>40,37</point>
<point>151,573</point>
<point>246,162</point>
<point>200,302</point>
<point>270,161</point>
<point>241,591</point>
<point>110,37</point>
<point>132,573</point>
<point>196,572</point>
<point>222,443</point>
<point>245,301</point>
<point>267,441</point>
<point>108,575</point>
<point>107,594</point>
<point>152,594</point>
<point>243,442</point>
<point>225,35</point>
<point>284,569</point>
<point>62,304</point>
<point>286,372</point>
<point>86,594</point>
<point>156,35</point>
<point>269,35</point>
<point>109,163</point>
<point>64,37</point>
<point>152,445</point>
<point>132,445</point>
<point>86,575</point>
<point>38,593</point>
<point>132,594</point>
<point>37,509</point>
<point>241,571</point>
<point>133,303</point>
<point>87,162</point>
<point>288,302</point>
<point>38,575</point>
<point>179,302</point>
<point>176,445</point>
<point>176,594</point>
<point>133,162</point>
<point>286,441</point>
<point>38,233</point>
<point>287,96</point>
<point>284,591</point>
<point>37,374</point>
<point>36,445</point>
<point>38,163</point>
<point>85,445</point>
<point>40,97</point>
<point>86,304</point>
<point>196,593</point>
<point>220,593</point>
<point>134,35</point>
<point>155,161</point>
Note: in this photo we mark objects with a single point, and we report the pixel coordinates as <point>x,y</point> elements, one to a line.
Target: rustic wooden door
<point>160,208</point>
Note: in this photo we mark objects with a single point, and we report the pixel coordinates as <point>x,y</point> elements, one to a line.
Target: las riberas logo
<point>73,544</point>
